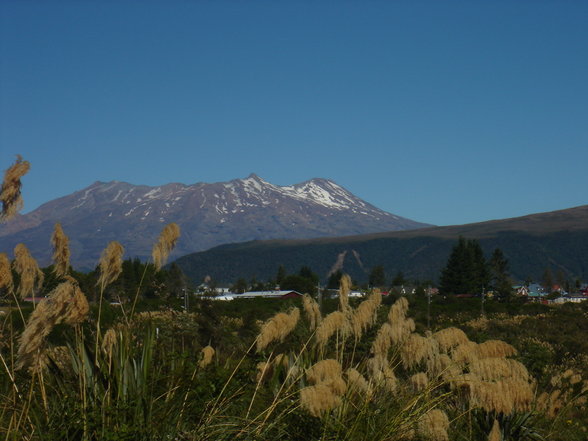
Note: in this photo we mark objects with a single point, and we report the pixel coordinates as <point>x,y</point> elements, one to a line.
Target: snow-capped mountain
<point>208,215</point>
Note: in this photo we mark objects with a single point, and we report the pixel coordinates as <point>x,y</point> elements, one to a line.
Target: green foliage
<point>377,277</point>
<point>466,270</point>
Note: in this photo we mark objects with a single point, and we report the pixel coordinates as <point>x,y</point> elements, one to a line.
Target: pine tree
<point>500,281</point>
<point>377,277</point>
<point>466,271</point>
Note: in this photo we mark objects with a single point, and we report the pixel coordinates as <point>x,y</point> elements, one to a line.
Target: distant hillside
<point>556,239</point>
<point>208,215</point>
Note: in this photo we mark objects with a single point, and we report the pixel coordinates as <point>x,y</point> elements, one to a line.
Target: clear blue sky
<point>445,112</point>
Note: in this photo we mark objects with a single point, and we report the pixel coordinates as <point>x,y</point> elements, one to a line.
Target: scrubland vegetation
<point>76,367</point>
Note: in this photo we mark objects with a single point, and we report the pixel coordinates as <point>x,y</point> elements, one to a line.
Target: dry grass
<point>6,281</point>
<point>61,252</point>
<point>365,314</point>
<point>110,264</point>
<point>495,434</point>
<point>277,328</point>
<point>449,338</point>
<point>334,322</point>
<point>312,310</point>
<point>344,290</point>
<point>10,195</point>
<point>434,425</point>
<point>65,304</point>
<point>31,277</point>
<point>207,356</point>
<point>165,244</point>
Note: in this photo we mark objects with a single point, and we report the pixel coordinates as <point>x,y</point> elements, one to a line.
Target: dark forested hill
<point>558,240</point>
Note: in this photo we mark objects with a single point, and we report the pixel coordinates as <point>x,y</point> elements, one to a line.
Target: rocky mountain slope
<point>208,214</point>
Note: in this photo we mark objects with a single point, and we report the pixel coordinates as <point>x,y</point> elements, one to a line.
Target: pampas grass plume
<point>319,399</point>
<point>10,193</point>
<point>433,425</point>
<point>419,381</point>
<point>61,252</point>
<point>398,310</point>
<point>6,281</point>
<point>31,277</point>
<point>334,322</point>
<point>344,290</point>
<point>207,356</point>
<point>277,328</point>
<point>165,244</point>
<point>357,384</point>
<point>365,314</point>
<point>110,264</point>
<point>312,310</point>
<point>495,434</point>
<point>324,370</point>
<point>65,304</point>
<point>449,338</point>
<point>495,348</point>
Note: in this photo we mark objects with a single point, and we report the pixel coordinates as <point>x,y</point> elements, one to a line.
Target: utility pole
<point>429,308</point>
<point>483,299</point>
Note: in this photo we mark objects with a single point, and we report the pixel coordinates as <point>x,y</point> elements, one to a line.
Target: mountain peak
<point>208,214</point>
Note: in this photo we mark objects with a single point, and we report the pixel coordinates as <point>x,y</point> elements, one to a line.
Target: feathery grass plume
<point>277,328</point>
<point>382,374</point>
<point>365,314</point>
<point>319,399</point>
<point>110,264</point>
<point>6,281</point>
<point>439,364</point>
<point>497,368</point>
<point>449,338</point>
<point>503,396</point>
<point>326,379</point>
<point>417,348</point>
<point>550,403</point>
<point>433,425</point>
<point>65,304</point>
<point>357,384</point>
<point>109,341</point>
<point>207,355</point>
<point>334,322</point>
<point>10,193</point>
<point>575,379</point>
<point>31,277</point>
<point>465,353</point>
<point>401,330</point>
<point>344,290</point>
<point>281,359</point>
<point>495,348</point>
<point>324,370</point>
<point>313,312</point>
<point>383,341</point>
<point>61,251</point>
<point>495,434</point>
<point>165,244</point>
<point>398,310</point>
<point>419,381</point>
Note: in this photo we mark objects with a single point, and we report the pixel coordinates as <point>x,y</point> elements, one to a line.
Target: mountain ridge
<point>556,239</point>
<point>209,214</point>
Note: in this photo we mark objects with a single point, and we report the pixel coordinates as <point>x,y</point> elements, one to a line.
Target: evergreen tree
<point>547,280</point>
<point>466,271</point>
<point>500,281</point>
<point>377,277</point>
<point>398,279</point>
<point>281,274</point>
<point>334,280</point>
